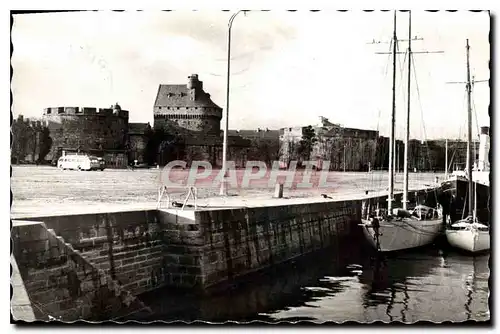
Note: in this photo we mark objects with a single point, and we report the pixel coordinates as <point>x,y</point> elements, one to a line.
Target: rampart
<point>81,266</point>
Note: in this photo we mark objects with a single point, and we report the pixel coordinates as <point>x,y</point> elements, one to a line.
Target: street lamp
<point>226,125</point>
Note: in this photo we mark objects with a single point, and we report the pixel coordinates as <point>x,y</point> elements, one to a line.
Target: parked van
<point>80,162</point>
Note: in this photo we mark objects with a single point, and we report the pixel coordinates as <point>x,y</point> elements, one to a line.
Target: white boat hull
<point>403,234</point>
<point>470,240</point>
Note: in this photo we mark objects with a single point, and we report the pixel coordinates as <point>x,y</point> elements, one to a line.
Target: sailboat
<point>400,229</point>
<point>469,234</point>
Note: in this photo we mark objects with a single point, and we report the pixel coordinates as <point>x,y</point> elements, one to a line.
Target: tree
<point>45,144</point>
<point>161,147</point>
<point>264,149</point>
<point>307,142</point>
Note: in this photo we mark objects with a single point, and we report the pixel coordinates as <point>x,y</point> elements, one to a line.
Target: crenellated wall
<point>87,130</point>
<point>52,111</point>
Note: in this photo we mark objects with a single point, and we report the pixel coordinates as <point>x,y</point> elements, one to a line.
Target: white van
<point>79,162</point>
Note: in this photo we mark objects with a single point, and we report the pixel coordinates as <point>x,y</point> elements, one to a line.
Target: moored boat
<point>469,235</point>
<point>401,229</point>
<point>405,230</point>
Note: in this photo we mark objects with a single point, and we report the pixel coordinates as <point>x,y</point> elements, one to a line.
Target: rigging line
<point>376,155</point>
<point>455,145</point>
<point>233,73</point>
<point>384,79</point>
<point>408,227</point>
<point>422,116</point>
<point>463,121</point>
<point>402,82</point>
<point>475,114</point>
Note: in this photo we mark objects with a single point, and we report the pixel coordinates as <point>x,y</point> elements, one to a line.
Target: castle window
<point>178,108</point>
<point>159,108</point>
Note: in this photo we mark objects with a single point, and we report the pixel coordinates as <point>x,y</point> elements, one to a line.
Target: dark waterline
<point>344,283</point>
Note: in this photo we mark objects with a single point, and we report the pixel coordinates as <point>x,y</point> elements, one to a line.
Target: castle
<point>187,112</point>
<point>344,148</point>
<point>187,127</point>
<point>100,131</point>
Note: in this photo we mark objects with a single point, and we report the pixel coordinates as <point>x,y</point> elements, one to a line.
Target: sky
<point>287,68</point>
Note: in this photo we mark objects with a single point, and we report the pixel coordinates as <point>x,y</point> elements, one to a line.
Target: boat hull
<point>402,235</point>
<point>454,199</point>
<point>469,240</point>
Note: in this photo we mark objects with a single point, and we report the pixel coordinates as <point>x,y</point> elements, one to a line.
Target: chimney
<point>484,149</point>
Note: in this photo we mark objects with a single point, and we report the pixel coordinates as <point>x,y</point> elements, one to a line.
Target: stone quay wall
<point>95,266</point>
<point>239,241</point>
<point>62,284</point>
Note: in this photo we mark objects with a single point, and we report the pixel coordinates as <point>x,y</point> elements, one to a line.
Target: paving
<point>42,191</point>
<point>46,191</point>
<point>20,304</point>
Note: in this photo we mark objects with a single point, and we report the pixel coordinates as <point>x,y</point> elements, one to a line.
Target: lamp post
<point>226,123</point>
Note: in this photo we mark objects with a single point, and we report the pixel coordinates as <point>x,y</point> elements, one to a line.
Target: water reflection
<point>345,283</point>
<point>427,285</point>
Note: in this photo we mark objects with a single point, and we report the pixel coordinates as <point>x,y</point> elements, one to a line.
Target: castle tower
<point>87,130</point>
<point>187,108</point>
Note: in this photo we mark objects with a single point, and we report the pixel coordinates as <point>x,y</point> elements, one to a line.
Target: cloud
<point>287,68</point>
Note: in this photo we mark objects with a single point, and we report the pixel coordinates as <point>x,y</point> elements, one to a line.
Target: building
<point>102,132</point>
<point>187,108</point>
<point>345,148</point>
<point>264,144</point>
<point>424,155</point>
<point>187,113</point>
<point>139,135</point>
<point>30,141</point>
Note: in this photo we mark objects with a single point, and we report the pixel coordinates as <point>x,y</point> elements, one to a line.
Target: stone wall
<point>30,141</point>
<point>126,245</point>
<point>63,284</point>
<point>239,241</point>
<point>183,249</point>
<point>200,119</point>
<point>86,131</point>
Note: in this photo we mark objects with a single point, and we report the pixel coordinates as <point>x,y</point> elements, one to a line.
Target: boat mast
<point>407,134</point>
<point>393,122</point>
<point>469,132</point>
<point>446,159</point>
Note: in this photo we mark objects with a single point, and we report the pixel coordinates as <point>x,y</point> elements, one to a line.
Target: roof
<point>138,128</point>
<point>179,97</point>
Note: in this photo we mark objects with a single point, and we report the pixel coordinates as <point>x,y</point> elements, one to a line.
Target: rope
<point>475,116</point>
<point>413,228</point>
<point>386,70</point>
<point>422,116</point>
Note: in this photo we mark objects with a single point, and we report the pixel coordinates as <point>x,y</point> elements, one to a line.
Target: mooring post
<point>278,190</point>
